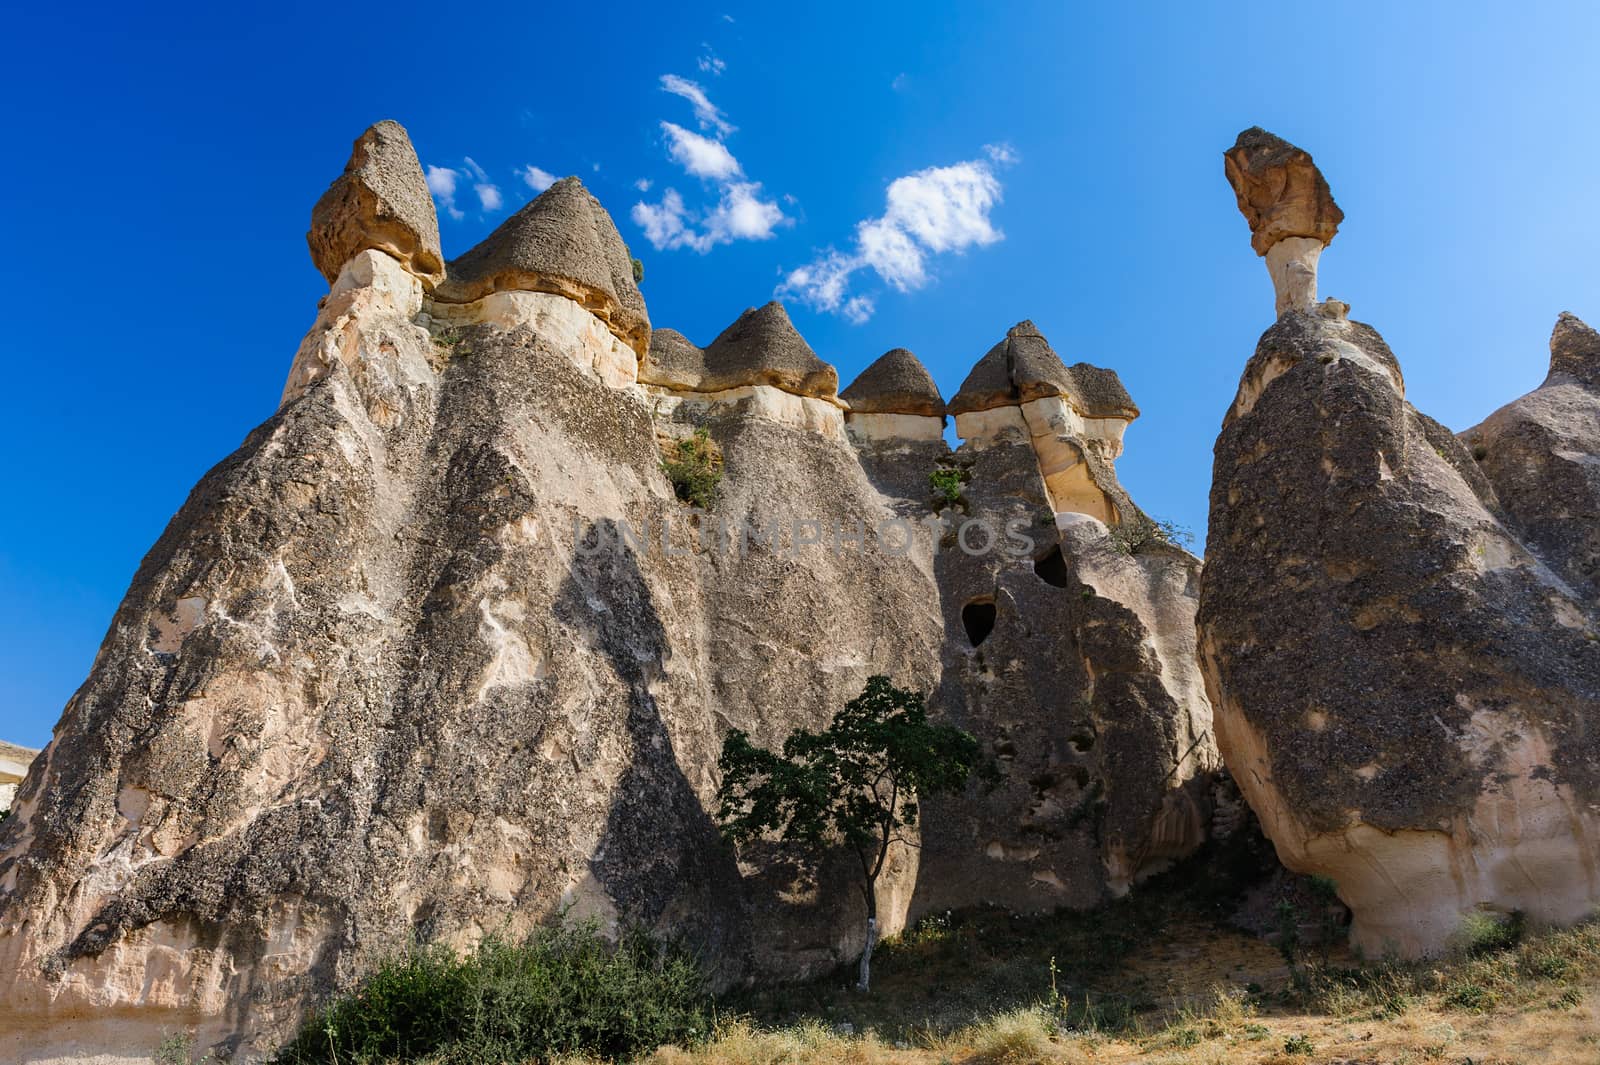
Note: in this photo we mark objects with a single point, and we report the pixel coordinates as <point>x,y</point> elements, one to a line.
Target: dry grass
<point>1534,1002</point>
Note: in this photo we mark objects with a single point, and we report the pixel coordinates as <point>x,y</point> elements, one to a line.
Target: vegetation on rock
<point>856,784</point>
<point>694,466</point>
<point>1141,532</point>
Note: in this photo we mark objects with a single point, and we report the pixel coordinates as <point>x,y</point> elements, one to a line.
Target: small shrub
<point>563,990</point>
<point>638,271</point>
<point>1484,933</point>
<point>1141,532</point>
<point>946,484</point>
<point>694,466</point>
<point>1469,995</point>
<point>1299,1044</point>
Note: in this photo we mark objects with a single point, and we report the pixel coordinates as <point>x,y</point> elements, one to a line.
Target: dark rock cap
<point>562,242</point>
<point>897,383</point>
<point>1023,367</point>
<point>762,347</point>
<point>381,201</point>
<point>1575,349</point>
<point>1281,192</point>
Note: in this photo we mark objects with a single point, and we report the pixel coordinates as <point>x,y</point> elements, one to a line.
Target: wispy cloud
<point>930,212</point>
<point>442,183</point>
<point>536,178</point>
<point>643,184</point>
<point>710,63</point>
<point>740,211</point>
<point>708,114</point>
<point>901,82</point>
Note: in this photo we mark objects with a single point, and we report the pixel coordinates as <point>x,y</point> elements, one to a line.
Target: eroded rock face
<point>14,762</point>
<point>1291,212</point>
<point>437,651</point>
<point>1404,671</point>
<point>1071,658</point>
<point>1540,452</point>
<point>380,202</point>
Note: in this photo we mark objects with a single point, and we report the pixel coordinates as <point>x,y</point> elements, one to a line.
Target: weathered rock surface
<point>14,762</point>
<point>895,383</point>
<point>380,202</point>
<point>1074,658</point>
<point>1291,212</point>
<point>762,347</point>
<point>1540,454</point>
<point>895,399</point>
<point>1404,682</point>
<point>563,242</point>
<point>1075,417</point>
<point>437,651</point>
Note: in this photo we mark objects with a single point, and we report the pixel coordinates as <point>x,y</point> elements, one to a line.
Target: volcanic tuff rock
<point>894,401</point>
<point>381,201</point>
<point>1076,418</point>
<point>1404,664</point>
<point>762,347</point>
<point>437,651</point>
<point>563,242</point>
<point>14,762</point>
<point>1539,453</point>
<point>1291,212</point>
<point>895,383</point>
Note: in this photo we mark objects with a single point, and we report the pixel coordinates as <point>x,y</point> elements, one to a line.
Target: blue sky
<point>1065,161</point>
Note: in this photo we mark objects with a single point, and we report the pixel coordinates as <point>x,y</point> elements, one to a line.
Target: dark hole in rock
<point>1082,741</point>
<point>978,620</point>
<point>1052,568</point>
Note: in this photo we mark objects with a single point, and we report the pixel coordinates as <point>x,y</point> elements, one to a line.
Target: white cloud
<point>488,196</point>
<point>901,82</point>
<point>705,112</point>
<point>536,178</point>
<point>664,224</point>
<point>858,309</point>
<point>442,183</point>
<point>700,156</point>
<point>743,214</point>
<point>739,214</point>
<point>477,171</point>
<point>930,212</point>
<point>710,63</point>
<point>741,211</point>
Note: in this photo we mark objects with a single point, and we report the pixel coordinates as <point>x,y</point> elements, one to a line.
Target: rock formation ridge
<point>437,650</point>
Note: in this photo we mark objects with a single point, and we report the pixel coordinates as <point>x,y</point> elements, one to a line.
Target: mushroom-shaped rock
<point>1075,418</point>
<point>761,348</point>
<point>380,202</point>
<point>988,384</point>
<point>1290,209</point>
<point>565,243</point>
<point>897,383</point>
<point>1024,367</point>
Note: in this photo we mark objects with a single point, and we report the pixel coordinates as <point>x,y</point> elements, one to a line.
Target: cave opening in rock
<point>978,619</point>
<point>1052,568</point>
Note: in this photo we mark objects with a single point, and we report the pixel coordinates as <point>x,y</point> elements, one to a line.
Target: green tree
<point>856,784</point>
